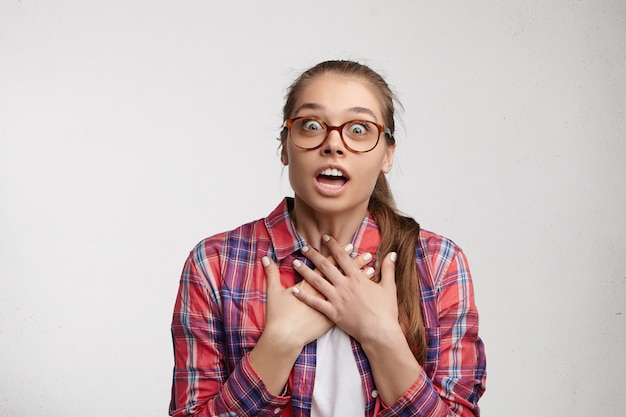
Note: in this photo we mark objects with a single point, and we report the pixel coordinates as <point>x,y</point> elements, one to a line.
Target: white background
<point>131,130</point>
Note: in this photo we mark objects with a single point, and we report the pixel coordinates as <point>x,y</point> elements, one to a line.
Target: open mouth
<point>331,178</point>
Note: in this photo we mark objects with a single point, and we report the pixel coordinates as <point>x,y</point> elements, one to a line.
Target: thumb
<point>272,273</point>
<point>388,270</point>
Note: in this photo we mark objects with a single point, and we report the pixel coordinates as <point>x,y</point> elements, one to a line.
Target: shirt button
<point>277,410</point>
<point>374,394</point>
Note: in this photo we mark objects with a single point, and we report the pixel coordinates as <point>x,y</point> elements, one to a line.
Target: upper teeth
<point>332,172</point>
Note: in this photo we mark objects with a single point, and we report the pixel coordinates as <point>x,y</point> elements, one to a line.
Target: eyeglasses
<point>358,136</point>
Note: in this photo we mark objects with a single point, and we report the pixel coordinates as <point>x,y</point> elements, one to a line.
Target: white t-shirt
<point>337,390</point>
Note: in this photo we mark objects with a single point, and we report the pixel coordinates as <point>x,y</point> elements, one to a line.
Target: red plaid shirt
<point>220,314</point>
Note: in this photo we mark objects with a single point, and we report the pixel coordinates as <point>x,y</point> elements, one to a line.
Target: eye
<point>359,128</point>
<point>311,125</point>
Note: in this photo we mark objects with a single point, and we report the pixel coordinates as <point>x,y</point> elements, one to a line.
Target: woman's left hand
<point>359,306</point>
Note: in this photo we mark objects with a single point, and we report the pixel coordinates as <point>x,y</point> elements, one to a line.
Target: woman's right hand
<point>289,321</point>
<point>289,325</point>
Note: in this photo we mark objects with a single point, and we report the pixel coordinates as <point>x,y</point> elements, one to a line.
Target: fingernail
<point>349,247</point>
<point>325,238</point>
<point>304,249</point>
<point>393,256</point>
<point>367,257</point>
<point>297,263</point>
<point>369,272</point>
<point>265,261</point>
<point>295,290</point>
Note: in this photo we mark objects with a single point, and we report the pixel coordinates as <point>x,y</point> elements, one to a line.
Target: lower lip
<point>330,190</point>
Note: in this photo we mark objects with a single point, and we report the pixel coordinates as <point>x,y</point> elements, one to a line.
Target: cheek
<point>297,168</point>
<point>372,179</point>
<point>373,170</point>
<point>367,176</point>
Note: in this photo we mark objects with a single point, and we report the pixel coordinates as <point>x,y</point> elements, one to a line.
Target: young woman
<point>334,304</point>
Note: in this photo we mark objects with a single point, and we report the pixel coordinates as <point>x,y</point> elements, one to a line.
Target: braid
<point>400,234</point>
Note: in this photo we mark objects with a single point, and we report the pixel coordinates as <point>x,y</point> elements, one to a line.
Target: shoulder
<point>439,258</point>
<point>432,245</point>
<point>230,242</point>
<point>240,244</point>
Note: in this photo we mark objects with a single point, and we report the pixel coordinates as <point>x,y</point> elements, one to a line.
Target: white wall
<point>131,130</point>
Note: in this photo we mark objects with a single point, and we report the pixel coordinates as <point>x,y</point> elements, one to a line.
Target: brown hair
<point>399,233</point>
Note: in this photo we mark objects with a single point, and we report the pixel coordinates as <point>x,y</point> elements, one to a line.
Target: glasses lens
<point>360,135</point>
<point>308,133</point>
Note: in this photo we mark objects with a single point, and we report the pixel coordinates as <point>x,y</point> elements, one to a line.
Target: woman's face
<point>337,99</point>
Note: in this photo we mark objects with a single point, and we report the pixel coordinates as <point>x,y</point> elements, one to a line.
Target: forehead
<point>337,95</point>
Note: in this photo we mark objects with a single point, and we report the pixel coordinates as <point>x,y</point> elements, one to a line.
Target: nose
<point>334,143</point>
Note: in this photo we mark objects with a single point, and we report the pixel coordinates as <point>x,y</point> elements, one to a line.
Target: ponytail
<point>400,234</point>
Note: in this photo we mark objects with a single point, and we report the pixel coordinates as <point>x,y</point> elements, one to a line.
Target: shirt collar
<point>286,239</point>
<point>283,234</point>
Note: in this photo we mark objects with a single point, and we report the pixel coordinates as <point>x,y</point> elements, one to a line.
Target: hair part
<point>398,232</point>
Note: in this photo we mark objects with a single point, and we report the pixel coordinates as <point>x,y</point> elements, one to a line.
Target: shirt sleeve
<point>202,384</point>
<point>459,377</point>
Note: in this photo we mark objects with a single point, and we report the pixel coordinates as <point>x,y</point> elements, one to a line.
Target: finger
<point>313,278</point>
<point>388,270</point>
<point>363,260</point>
<point>343,259</point>
<point>348,249</point>
<point>309,297</point>
<point>324,267</point>
<point>306,287</point>
<point>272,273</point>
<point>360,261</point>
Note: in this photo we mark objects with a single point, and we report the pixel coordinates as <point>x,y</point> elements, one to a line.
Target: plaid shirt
<point>220,314</point>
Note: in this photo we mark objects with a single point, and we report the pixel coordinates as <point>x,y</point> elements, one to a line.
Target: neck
<point>312,225</point>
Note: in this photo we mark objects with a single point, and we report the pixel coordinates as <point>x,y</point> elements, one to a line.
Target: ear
<point>388,159</point>
<point>284,158</point>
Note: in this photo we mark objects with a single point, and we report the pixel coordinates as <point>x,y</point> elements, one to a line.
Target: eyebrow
<point>316,106</point>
